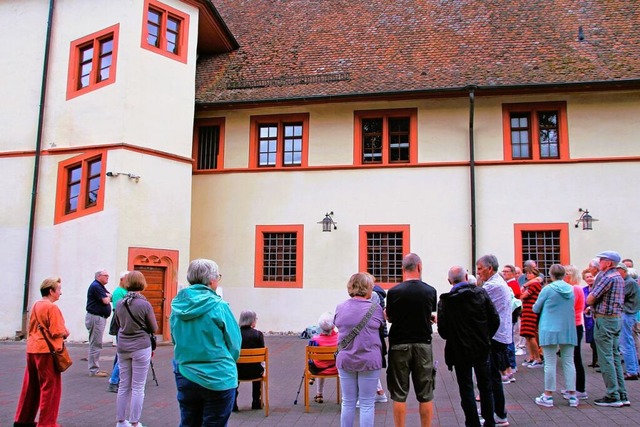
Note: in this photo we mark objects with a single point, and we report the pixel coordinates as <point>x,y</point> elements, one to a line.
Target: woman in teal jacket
<point>557,328</point>
<point>207,342</point>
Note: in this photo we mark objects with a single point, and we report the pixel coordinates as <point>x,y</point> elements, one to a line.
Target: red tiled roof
<point>291,49</point>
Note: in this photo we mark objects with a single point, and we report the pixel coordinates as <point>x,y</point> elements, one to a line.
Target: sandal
<point>318,398</point>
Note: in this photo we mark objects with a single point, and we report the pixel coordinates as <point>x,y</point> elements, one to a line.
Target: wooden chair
<point>318,353</point>
<point>258,355</point>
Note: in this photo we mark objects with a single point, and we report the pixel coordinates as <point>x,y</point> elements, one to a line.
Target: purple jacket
<point>365,352</point>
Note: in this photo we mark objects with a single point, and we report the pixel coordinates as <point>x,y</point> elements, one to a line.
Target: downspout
<point>36,169</point>
<point>472,177</point>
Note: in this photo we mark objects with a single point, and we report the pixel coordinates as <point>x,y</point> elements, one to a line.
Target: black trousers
<point>464,377</point>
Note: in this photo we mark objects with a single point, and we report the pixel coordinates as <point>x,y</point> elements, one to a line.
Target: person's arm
<point>442,321</point>
<point>152,323</point>
<point>231,331</point>
<point>537,306</point>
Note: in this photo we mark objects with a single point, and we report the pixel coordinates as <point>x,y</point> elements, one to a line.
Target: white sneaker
<point>574,401</point>
<point>381,398</point>
<point>582,395</point>
<point>520,352</point>
<point>544,400</point>
<point>125,423</point>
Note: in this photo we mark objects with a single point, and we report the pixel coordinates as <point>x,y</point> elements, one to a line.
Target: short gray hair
<point>557,272</point>
<point>410,262</point>
<point>202,271</point>
<point>247,318</point>
<point>632,272</point>
<point>457,274</point>
<point>595,263</point>
<point>99,273</point>
<point>325,321</point>
<point>489,261</point>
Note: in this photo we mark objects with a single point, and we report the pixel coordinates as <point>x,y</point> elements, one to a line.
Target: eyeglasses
<point>219,277</point>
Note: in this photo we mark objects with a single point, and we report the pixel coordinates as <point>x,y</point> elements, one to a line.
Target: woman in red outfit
<point>42,384</point>
<point>529,319</point>
<point>327,338</point>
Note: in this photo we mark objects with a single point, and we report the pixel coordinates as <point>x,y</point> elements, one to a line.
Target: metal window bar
<point>279,257</point>
<point>384,256</point>
<point>543,247</point>
<point>208,147</point>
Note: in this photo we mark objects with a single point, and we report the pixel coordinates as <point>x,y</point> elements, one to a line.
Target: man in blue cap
<point>607,299</point>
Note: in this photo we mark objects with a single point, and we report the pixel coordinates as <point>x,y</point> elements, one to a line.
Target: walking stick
<point>153,371</point>
<point>295,402</point>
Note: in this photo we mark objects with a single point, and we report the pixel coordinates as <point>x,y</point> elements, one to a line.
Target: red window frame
<point>84,205</point>
<point>363,256</point>
<point>385,115</point>
<point>532,110</point>
<point>95,78</point>
<point>163,41</point>
<point>261,230</point>
<point>279,121</point>
<point>562,228</point>
<point>200,123</point>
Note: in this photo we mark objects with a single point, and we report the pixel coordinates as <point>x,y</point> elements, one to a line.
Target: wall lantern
<point>585,219</point>
<point>327,222</point>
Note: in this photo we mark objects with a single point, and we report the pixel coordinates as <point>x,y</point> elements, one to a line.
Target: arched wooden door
<point>154,293</point>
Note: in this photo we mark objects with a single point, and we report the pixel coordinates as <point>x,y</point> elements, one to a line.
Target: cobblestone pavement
<point>86,401</point>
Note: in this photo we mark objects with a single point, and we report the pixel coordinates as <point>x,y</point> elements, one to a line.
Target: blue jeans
<point>628,345</point>
<point>464,377</point>
<point>115,373</point>
<point>358,386</point>
<point>200,406</point>
<point>606,333</point>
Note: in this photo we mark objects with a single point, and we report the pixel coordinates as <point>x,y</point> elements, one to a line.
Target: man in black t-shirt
<point>410,307</point>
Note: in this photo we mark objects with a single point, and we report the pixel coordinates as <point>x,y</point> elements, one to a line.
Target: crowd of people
<point>482,321</point>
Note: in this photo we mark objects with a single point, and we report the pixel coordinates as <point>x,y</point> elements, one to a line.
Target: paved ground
<point>85,401</point>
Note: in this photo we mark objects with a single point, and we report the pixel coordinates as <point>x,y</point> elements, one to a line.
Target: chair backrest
<point>321,353</point>
<point>254,355</point>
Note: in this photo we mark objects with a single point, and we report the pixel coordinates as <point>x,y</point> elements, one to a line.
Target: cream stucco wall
<point>433,200</point>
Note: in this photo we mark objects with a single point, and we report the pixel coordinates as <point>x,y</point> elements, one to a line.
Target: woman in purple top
<point>360,362</point>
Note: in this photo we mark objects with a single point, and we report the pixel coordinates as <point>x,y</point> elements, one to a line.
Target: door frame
<point>154,257</point>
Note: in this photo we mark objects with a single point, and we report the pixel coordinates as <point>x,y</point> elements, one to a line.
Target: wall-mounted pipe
<point>36,171</point>
<point>472,177</point>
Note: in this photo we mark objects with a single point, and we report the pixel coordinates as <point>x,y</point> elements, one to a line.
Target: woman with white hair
<point>328,337</point>
<point>251,338</point>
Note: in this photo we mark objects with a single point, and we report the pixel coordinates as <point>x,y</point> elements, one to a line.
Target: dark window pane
<point>279,257</point>
<point>208,147</point>
<point>542,247</point>
<point>372,140</point>
<point>548,134</point>
<point>398,139</point>
<point>384,256</point>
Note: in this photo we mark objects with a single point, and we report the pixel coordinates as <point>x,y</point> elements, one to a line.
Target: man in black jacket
<point>467,320</point>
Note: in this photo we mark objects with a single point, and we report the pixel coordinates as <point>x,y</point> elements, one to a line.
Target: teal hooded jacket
<point>206,338</point>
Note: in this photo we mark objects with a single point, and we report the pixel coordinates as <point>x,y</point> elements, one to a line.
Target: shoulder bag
<point>355,331</point>
<point>152,337</point>
<point>61,359</point>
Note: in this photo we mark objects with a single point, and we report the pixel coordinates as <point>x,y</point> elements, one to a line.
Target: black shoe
<point>256,405</point>
<point>113,388</point>
<point>625,400</point>
<point>608,401</point>
<point>235,408</point>
<point>631,377</point>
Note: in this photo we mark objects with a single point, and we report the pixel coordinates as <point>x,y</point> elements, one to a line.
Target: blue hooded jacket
<point>206,338</point>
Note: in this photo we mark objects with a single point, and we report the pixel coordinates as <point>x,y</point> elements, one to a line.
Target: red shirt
<point>513,284</point>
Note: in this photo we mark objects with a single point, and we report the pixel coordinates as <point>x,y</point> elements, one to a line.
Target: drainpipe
<point>472,177</point>
<point>36,169</point>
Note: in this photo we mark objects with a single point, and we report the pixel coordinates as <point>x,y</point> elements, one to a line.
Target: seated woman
<point>251,338</point>
<point>327,338</point>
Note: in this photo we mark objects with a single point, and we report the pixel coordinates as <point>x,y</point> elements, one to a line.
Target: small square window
<point>279,141</point>
<point>279,256</point>
<point>208,144</point>
<point>386,137</point>
<point>165,30</point>
<point>382,248</point>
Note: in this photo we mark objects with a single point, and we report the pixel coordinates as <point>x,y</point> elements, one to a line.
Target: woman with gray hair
<point>251,338</point>
<point>207,341</point>
<point>328,337</point>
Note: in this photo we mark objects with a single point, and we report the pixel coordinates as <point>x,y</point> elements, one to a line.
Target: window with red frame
<point>279,141</point>
<point>208,144</point>
<point>279,256</point>
<point>80,187</point>
<point>546,244</point>
<point>535,131</point>
<point>386,136</point>
<point>92,62</point>
<point>381,251</point>
<point>165,30</point>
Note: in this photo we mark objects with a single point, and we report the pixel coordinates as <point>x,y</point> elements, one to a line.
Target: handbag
<point>61,359</point>
<point>152,337</point>
<point>355,331</point>
<point>113,328</point>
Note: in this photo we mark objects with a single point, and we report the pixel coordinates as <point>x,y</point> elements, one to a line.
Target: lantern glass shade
<point>326,223</point>
<point>587,222</point>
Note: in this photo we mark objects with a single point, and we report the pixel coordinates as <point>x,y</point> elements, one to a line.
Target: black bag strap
<point>42,330</point>
<point>126,305</point>
<point>355,331</point>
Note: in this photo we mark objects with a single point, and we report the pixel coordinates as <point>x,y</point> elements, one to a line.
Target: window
<point>279,256</point>
<point>546,244</point>
<point>165,30</point>
<point>92,62</point>
<point>279,141</point>
<point>80,188</point>
<point>535,131</point>
<point>208,144</point>
<point>382,248</point>
<point>386,137</point>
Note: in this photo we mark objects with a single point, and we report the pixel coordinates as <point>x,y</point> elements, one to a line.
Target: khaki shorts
<point>415,360</point>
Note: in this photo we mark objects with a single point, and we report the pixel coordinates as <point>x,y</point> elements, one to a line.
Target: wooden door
<point>154,293</point>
